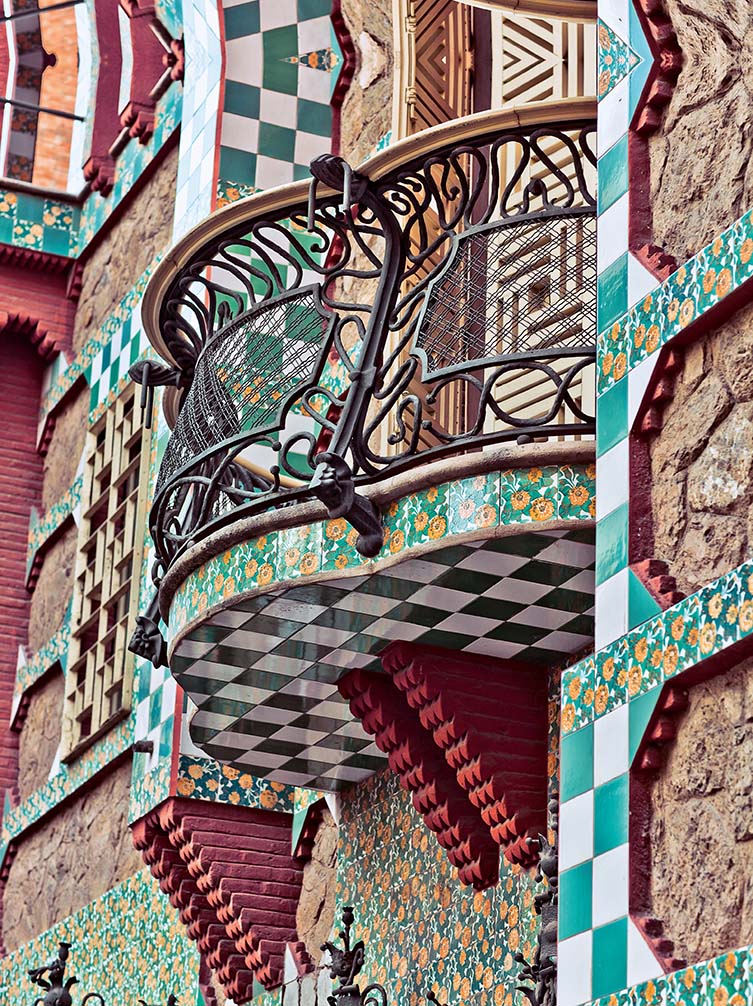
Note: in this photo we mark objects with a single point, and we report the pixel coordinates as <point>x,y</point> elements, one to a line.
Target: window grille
<point>111,541</point>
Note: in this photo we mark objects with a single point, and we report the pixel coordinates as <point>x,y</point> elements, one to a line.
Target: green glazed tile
<point>612,292</point>
<point>276,141</point>
<point>242,20</point>
<point>609,969</point>
<point>577,765</point>
<point>641,605</point>
<point>612,543</point>
<point>640,710</point>
<point>611,418</point>
<point>613,174</point>
<point>575,898</point>
<point>611,810</point>
<point>242,99</point>
<point>314,117</point>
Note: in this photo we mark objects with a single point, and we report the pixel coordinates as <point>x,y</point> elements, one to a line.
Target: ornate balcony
<point>326,336</point>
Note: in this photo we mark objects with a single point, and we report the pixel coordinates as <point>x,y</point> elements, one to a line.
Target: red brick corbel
<point>230,874</point>
<point>148,66</point>
<point>468,738</point>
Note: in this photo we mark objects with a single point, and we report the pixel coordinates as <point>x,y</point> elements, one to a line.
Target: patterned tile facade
<point>471,507</point>
<point>264,673</point>
<point>127,945</point>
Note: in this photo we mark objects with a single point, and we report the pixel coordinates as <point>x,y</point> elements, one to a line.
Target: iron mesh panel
<point>243,376</point>
<point>514,289</point>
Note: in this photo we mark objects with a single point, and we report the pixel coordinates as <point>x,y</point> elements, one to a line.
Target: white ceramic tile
<point>613,233</point>
<point>610,885</point>
<point>280,109</point>
<point>641,962</point>
<point>313,84</point>
<point>576,830</point>
<point>501,649</point>
<point>638,379</point>
<point>613,116</point>
<point>309,145</point>
<point>574,960</point>
<point>615,13</point>
<point>277,13</point>
<point>240,132</point>
<point>640,281</point>
<point>314,34</point>
<point>612,478</point>
<point>271,172</point>
<point>244,60</point>
<point>611,747</point>
<point>611,609</point>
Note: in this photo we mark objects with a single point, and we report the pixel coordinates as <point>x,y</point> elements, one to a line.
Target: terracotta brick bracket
<point>230,874</point>
<point>468,738</point>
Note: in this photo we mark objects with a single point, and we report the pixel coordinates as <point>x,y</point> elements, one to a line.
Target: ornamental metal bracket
<point>58,987</point>
<point>333,484</point>
<point>151,375</point>
<point>541,973</point>
<point>147,640</point>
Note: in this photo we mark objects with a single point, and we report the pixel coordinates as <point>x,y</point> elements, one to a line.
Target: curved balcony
<point>322,337</point>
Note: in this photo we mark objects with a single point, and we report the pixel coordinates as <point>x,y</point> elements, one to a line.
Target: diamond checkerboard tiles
<point>264,674</point>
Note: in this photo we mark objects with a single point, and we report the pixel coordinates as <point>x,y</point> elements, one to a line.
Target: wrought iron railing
<point>435,305</point>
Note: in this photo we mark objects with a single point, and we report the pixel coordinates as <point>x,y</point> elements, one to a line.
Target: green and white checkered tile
<point>264,674</point>
<point>110,366</point>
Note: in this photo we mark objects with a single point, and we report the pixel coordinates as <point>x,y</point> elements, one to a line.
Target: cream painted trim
<point>295,194</point>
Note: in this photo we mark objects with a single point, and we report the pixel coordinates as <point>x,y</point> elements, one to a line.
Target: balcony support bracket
<point>333,485</point>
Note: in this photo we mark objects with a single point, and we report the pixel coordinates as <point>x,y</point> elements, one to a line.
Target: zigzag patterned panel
<point>542,60</point>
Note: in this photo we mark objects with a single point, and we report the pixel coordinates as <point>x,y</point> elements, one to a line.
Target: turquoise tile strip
<point>41,529</point>
<point>696,628</point>
<point>129,945</point>
<point>706,280</point>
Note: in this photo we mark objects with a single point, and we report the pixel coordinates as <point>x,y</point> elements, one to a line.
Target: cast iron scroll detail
<point>57,987</point>
<point>389,324</point>
<point>541,973</point>
<point>346,963</point>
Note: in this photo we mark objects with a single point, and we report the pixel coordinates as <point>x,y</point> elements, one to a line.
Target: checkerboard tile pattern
<point>282,62</point>
<point>264,674</point>
<point>600,951</point>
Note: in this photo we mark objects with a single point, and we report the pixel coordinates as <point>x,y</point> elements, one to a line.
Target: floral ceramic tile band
<point>616,59</point>
<point>717,271</point>
<point>694,629</point>
<point>127,945</point>
<point>726,980</point>
<point>42,528</point>
<point>520,497</point>
<point>206,779</point>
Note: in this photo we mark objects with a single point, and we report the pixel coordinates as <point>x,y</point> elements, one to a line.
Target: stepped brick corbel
<point>468,737</point>
<point>655,576</point>
<point>230,874</point>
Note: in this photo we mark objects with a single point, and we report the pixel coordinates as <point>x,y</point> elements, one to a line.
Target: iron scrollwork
<point>361,332</point>
<point>58,988</point>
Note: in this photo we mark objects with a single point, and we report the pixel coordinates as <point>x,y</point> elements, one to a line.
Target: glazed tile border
<point>724,979</point>
<point>698,627</point>
<point>127,945</point>
<point>42,528</point>
<point>55,650</point>
<point>709,277</point>
<point>521,497</point>
<point>615,59</point>
<point>67,780</point>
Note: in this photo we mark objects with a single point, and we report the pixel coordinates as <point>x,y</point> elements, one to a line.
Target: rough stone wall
<point>54,587</point>
<point>701,828</point>
<point>142,232</point>
<point>701,163</point>
<point>66,446</point>
<point>315,915</point>
<point>366,113</point>
<point>72,858</point>
<point>40,734</point>
<point>702,460</point>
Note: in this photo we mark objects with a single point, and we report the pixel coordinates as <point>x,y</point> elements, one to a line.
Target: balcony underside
<point>496,565</point>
